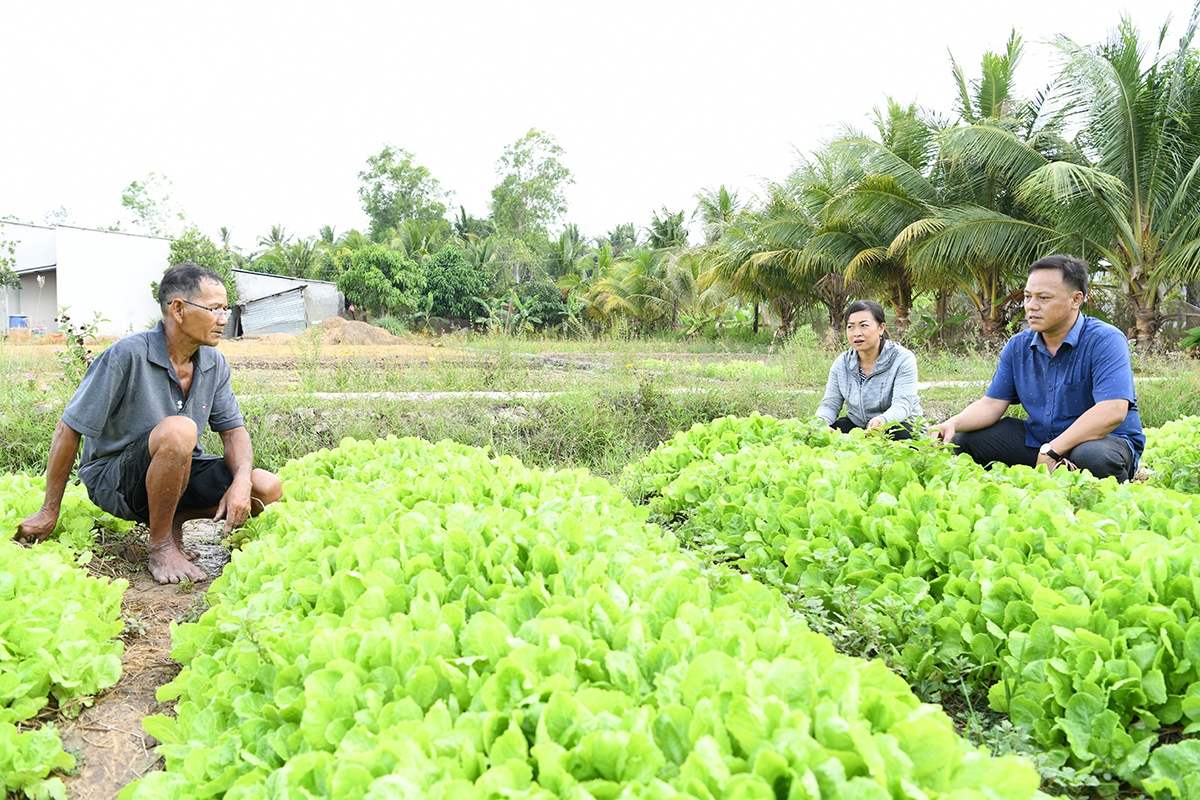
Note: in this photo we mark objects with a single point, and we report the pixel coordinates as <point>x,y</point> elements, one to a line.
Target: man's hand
<point>944,433</point>
<point>235,505</point>
<point>1049,463</point>
<point>38,527</point>
<point>876,422</point>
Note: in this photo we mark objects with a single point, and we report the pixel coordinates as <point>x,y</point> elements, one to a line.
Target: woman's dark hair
<point>876,311</point>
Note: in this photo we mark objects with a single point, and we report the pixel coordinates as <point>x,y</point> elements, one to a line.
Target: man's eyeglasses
<point>216,312</point>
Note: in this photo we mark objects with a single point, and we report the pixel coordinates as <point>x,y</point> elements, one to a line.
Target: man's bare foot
<point>168,565</point>
<point>177,536</point>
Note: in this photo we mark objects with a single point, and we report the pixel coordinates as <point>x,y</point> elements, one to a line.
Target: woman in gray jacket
<point>876,379</point>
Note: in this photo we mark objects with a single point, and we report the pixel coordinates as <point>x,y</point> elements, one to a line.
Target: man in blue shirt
<point>1073,376</point>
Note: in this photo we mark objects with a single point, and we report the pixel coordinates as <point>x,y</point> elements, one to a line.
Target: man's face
<point>205,315</point>
<point>1050,305</point>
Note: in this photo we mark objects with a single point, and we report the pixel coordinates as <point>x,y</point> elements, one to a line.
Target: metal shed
<point>282,312</point>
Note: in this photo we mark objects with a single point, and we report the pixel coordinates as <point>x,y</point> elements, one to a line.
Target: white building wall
<point>34,248</point>
<point>110,273</point>
<point>38,304</point>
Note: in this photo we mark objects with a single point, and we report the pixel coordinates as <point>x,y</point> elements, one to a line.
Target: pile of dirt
<point>336,330</point>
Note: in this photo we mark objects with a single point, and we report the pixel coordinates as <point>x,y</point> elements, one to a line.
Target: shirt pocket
<point>1077,398</point>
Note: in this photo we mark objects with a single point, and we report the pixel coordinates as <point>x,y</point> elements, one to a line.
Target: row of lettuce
<point>422,620</point>
<point>57,635</point>
<point>1070,603</point>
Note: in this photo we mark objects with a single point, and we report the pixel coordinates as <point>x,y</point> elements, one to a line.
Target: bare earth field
<point>107,739</point>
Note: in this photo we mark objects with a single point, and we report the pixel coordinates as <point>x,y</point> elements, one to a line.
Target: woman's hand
<point>876,422</point>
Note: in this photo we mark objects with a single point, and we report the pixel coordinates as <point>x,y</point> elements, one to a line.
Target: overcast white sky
<point>264,113</point>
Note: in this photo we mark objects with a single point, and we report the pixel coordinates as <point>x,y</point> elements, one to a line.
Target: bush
<point>454,283</point>
<point>544,301</point>
<point>380,281</point>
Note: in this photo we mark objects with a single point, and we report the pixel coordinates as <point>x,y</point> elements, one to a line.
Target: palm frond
<point>974,237</point>
<point>993,150</point>
<point>878,159</point>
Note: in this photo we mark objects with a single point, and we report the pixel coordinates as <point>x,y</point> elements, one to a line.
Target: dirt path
<point>107,739</point>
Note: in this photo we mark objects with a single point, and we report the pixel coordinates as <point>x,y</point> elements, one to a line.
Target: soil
<point>107,739</point>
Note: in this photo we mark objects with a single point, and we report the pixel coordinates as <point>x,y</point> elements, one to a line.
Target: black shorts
<point>209,480</point>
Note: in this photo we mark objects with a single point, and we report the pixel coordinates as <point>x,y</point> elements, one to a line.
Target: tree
<point>193,245</point>
<point>278,238</point>
<point>299,259</point>
<point>567,253</point>
<point>1127,198</point>
<point>466,225</point>
<point>623,238</point>
<point>380,281</point>
<point>716,208</point>
<point>886,191</point>
<point>8,276</point>
<point>667,231</point>
<point>1137,203</point>
<point>454,283</point>
<point>531,195</point>
<point>417,239</point>
<point>981,237</point>
<point>151,205</point>
<point>395,190</point>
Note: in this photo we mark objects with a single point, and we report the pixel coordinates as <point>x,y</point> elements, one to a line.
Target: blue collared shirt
<point>1091,365</point>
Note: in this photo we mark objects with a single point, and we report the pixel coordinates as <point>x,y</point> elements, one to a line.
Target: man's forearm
<point>64,448</point>
<point>239,455</point>
<point>982,413</point>
<point>1097,422</point>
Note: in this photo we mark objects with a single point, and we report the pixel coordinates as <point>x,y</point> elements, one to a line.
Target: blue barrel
<point>17,321</point>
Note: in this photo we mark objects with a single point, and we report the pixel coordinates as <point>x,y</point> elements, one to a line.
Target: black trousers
<point>1005,442</point>
<point>896,430</point>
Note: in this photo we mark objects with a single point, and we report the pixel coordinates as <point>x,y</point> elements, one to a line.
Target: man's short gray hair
<point>183,280</point>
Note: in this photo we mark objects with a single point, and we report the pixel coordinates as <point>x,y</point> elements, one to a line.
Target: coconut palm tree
<point>716,209</point>
<point>858,224</point>
<point>667,231</point>
<point>760,256</point>
<point>1127,195</point>
<point>566,253</point>
<point>980,238</point>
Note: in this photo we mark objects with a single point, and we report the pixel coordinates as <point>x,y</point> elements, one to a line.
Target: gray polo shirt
<point>130,388</point>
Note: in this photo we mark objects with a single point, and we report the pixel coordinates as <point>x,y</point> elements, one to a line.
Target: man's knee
<point>265,486</point>
<point>176,434</point>
<point>1104,458</point>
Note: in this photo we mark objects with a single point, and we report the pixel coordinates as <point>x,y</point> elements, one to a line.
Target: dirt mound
<point>336,330</point>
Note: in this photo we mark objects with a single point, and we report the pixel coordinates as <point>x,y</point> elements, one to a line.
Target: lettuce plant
<point>1070,601</point>
<point>418,620</point>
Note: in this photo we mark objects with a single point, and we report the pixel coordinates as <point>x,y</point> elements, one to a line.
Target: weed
<point>195,610</point>
<point>75,358</point>
<point>135,627</point>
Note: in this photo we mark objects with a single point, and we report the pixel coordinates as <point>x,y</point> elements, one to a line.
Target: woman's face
<point>863,332</point>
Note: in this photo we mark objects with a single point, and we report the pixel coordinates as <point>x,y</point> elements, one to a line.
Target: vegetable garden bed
<point>418,620</point>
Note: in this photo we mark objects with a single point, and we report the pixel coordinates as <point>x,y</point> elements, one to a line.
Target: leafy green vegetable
<point>418,620</point>
<point>1070,601</point>
<point>56,640</point>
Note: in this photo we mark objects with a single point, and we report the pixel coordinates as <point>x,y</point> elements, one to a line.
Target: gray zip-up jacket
<point>889,391</point>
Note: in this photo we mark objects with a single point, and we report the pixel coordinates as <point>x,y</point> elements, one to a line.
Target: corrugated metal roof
<point>280,313</point>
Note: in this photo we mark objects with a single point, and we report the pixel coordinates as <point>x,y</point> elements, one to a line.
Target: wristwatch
<point>1046,450</point>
